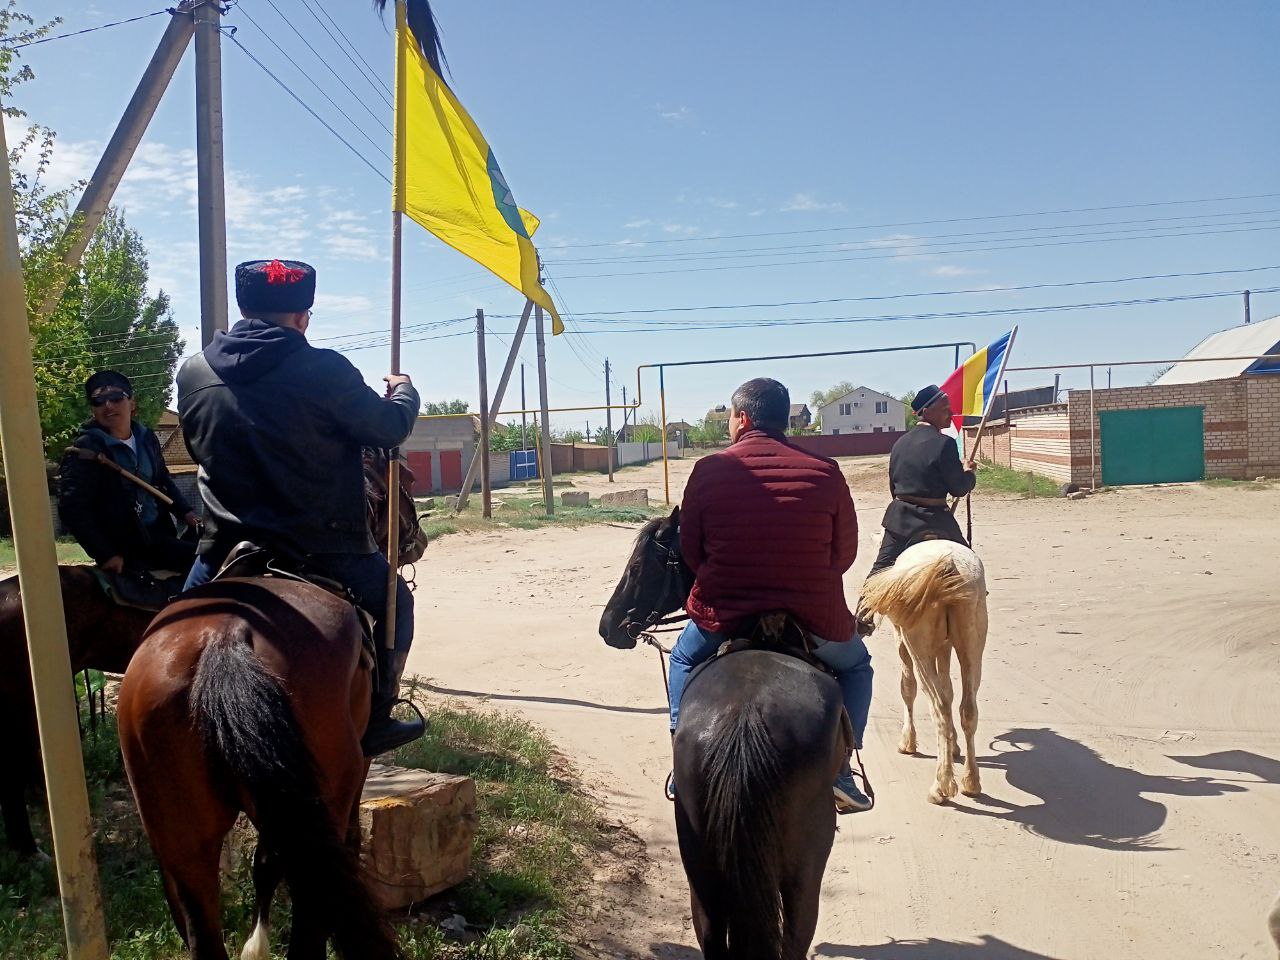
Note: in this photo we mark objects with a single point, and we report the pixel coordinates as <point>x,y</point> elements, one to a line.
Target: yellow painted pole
<point>662,402</point>
<point>37,560</point>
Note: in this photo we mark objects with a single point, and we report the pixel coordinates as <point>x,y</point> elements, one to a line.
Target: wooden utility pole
<point>211,196</point>
<point>486,493</point>
<point>42,611</point>
<point>496,403</point>
<point>124,142</point>
<point>608,418</point>
<point>544,438</point>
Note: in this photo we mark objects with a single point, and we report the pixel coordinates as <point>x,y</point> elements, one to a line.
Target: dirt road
<point>1129,731</point>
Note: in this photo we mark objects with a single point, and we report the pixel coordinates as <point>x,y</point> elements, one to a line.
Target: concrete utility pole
<point>124,142</point>
<point>486,493</point>
<point>211,195</point>
<point>544,439</point>
<point>42,610</point>
<point>608,418</point>
<point>524,438</point>
<point>1246,306</point>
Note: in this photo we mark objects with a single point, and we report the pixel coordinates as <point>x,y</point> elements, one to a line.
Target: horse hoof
<point>936,797</point>
<point>907,744</point>
<point>973,789</point>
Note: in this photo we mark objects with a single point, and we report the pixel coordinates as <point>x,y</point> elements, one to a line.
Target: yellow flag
<point>448,181</point>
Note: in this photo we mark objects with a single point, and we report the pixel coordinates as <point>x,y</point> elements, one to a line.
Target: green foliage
<point>993,478</point>
<point>435,408</point>
<point>912,417</point>
<point>646,430</point>
<point>504,437</point>
<point>569,436</point>
<point>105,318</point>
<point>820,398</point>
<point>707,432</point>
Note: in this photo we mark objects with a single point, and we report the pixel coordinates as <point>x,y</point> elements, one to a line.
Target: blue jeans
<point>365,575</point>
<point>851,662</point>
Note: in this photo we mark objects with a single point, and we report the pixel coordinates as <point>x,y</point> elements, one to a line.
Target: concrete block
<point>428,503</point>
<point>625,498</point>
<point>451,503</point>
<point>575,498</point>
<point>416,833</point>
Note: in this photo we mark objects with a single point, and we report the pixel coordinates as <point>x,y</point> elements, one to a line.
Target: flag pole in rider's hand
<point>988,403</point>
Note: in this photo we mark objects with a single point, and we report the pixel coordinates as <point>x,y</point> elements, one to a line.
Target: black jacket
<point>103,510</point>
<point>924,463</point>
<point>277,427</point>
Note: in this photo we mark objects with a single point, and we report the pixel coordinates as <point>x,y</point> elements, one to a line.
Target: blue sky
<point>651,134</point>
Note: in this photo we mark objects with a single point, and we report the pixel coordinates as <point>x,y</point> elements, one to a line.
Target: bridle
<point>669,554</point>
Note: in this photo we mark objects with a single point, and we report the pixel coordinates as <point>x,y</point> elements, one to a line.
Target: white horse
<point>936,596</point>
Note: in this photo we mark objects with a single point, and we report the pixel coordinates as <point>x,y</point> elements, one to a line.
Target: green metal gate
<point>1152,446</point>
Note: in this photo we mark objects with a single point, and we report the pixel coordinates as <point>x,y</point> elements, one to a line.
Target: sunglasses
<point>104,398</point>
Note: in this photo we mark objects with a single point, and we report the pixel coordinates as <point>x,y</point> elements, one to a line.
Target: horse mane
<point>906,593</point>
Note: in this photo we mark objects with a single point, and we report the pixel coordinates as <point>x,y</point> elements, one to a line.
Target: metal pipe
<point>1093,443</point>
<point>544,438</point>
<point>42,609</point>
<point>1141,363</point>
<point>662,438</point>
<point>482,364</point>
<point>608,420</point>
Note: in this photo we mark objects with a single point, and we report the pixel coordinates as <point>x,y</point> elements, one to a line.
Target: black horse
<point>762,736</point>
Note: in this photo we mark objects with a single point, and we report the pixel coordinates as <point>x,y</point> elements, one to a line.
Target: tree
<point>568,436</point>
<point>436,408</point>
<point>912,418</point>
<point>104,317</point>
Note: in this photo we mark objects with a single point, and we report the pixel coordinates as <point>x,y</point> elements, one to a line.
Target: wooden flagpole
<point>982,426</point>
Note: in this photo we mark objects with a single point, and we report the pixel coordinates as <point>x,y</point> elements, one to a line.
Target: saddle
<point>249,560</point>
<point>149,590</point>
<point>777,632</point>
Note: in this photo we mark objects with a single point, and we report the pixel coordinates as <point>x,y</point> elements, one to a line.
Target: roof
<point>174,450</point>
<point>718,413</point>
<point>875,393</point>
<point>1246,340</point>
<point>798,408</point>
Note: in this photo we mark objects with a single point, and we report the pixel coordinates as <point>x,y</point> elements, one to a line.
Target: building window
<point>882,406</point>
<point>877,429</point>
<point>845,409</point>
<point>835,431</point>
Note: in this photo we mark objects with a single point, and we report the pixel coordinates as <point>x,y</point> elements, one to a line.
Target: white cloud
<point>723,204</point>
<point>679,228</point>
<point>331,305</point>
<point>679,114</point>
<point>636,224</point>
<point>951,270</point>
<point>902,244</point>
<point>807,202</point>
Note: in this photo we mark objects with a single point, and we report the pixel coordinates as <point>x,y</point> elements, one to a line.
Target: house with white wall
<point>863,410</point>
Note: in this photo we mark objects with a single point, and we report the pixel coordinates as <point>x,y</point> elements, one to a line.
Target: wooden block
<point>416,833</point>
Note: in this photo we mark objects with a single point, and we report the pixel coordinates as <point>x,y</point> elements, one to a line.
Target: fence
<point>644,451</point>
<point>847,444</point>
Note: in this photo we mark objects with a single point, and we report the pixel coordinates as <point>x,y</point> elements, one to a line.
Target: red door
<point>451,470</point>
<point>420,464</point>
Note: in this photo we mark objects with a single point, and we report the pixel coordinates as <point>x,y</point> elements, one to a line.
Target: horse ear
<point>675,514</point>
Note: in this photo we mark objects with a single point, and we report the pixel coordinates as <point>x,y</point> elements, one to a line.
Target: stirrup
<point>669,788</point>
<point>861,774</point>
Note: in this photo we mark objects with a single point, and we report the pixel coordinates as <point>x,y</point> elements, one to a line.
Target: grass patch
<point>525,512</point>
<point>536,836</point>
<point>68,552</point>
<point>993,478</point>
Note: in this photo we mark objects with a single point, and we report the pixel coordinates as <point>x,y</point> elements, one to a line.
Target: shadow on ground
<point>986,947</point>
<point>1084,799</point>
<point>1237,761</point>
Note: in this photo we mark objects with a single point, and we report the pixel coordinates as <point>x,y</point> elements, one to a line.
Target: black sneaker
<point>387,732</point>
<point>849,799</point>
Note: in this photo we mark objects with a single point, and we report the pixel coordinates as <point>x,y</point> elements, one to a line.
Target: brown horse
<point>100,635</point>
<point>252,695</point>
<point>762,736</point>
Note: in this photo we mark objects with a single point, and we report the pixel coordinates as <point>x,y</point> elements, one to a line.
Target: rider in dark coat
<point>118,523</point>
<point>277,427</point>
<point>924,469</point>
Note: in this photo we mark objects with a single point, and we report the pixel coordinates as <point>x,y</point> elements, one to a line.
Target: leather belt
<point>922,501</point>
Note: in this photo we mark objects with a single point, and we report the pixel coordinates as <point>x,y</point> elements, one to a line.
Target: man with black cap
<point>924,469</point>
<point>277,427</point>
<point>118,523</point>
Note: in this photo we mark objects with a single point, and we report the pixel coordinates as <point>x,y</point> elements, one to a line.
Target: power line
<point>925,223</point>
<point>903,241</point>
<point>270,39</point>
<point>328,66</point>
<point>379,87</point>
<point>80,33</point>
<point>660,326</point>
<point>929,293</point>
<point>922,250</point>
<point>345,142</point>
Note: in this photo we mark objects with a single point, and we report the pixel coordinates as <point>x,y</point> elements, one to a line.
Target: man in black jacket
<point>118,523</point>
<point>277,427</point>
<point>924,469</point>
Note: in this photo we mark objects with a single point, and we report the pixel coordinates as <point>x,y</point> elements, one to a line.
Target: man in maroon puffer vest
<point>766,526</point>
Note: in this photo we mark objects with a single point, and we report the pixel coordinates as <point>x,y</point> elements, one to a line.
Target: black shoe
<point>386,732</point>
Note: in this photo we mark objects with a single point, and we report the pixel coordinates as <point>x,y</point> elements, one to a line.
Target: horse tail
<point>906,593</point>
<point>742,794</point>
<point>243,715</point>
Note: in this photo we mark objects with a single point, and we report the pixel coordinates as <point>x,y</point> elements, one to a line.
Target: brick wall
<point>1035,439</point>
<point>1262,396</point>
<point>1227,428</point>
<point>847,445</point>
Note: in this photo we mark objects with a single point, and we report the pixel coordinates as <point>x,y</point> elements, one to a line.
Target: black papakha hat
<point>275,286</point>
<point>107,378</point>
<point>925,396</point>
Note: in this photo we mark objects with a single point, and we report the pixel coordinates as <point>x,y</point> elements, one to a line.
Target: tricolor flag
<point>973,387</point>
<point>446,177</point>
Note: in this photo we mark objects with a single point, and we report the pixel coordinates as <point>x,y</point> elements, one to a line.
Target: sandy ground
<point>1129,733</point>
